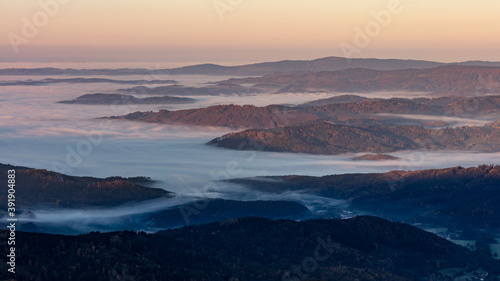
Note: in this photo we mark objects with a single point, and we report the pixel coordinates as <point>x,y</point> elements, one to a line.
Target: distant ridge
<point>316,65</point>
<point>322,64</point>
<point>330,139</point>
<point>448,79</point>
<point>272,116</point>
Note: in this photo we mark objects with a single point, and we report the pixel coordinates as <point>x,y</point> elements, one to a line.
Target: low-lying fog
<point>40,133</point>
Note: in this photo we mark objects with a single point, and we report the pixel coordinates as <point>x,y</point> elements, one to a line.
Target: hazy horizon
<point>162,64</point>
<point>251,31</point>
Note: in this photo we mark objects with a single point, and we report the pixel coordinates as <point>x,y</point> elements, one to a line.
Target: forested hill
<point>327,138</point>
<point>363,248</point>
<point>42,187</point>
<point>455,197</point>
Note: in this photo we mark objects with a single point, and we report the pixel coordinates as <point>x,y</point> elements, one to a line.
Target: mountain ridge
<point>448,79</point>
<point>43,187</point>
<point>456,197</point>
<point>321,64</point>
<point>330,139</point>
<point>353,112</point>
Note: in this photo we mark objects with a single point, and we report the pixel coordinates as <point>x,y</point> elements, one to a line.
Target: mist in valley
<point>38,132</point>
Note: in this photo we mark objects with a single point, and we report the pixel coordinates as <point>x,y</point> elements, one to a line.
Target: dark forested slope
<point>363,248</point>
<point>462,197</point>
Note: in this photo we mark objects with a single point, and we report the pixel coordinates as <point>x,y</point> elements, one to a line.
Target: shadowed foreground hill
<point>42,190</point>
<point>326,138</point>
<point>363,248</point>
<point>164,216</point>
<point>42,187</point>
<point>462,197</point>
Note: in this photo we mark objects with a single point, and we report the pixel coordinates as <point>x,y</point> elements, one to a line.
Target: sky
<point>247,30</point>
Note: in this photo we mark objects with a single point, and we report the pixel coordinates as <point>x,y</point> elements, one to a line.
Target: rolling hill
<point>457,197</point>
<point>444,80</point>
<point>362,248</point>
<point>327,138</point>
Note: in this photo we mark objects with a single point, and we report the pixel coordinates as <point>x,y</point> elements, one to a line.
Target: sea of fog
<point>38,132</point>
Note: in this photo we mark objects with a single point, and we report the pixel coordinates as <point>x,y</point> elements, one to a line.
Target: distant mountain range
<point>214,89</point>
<point>444,80</point>
<point>362,248</point>
<point>118,99</point>
<point>317,65</point>
<point>235,116</point>
<point>335,100</point>
<point>448,80</point>
<point>351,110</point>
<point>49,81</point>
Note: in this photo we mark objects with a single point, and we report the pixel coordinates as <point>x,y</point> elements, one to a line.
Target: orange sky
<point>194,30</point>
